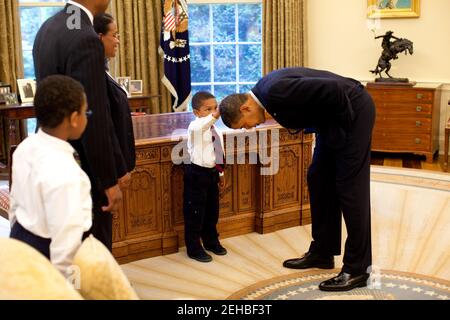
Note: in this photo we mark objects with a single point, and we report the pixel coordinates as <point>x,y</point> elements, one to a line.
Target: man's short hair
<point>57,97</point>
<point>199,97</point>
<point>230,108</point>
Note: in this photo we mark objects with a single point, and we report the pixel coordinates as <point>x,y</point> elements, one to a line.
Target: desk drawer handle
<point>418,141</point>
<point>419,96</point>
<point>418,108</point>
<point>418,123</point>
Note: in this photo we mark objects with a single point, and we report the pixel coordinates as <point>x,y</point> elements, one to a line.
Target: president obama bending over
<point>342,114</point>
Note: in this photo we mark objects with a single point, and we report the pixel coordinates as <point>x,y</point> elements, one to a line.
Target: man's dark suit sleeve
<point>86,64</point>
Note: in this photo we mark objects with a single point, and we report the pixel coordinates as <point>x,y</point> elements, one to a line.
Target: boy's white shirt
<point>50,195</point>
<point>200,145</point>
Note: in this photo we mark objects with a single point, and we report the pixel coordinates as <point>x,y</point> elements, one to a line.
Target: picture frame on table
<point>379,9</point>
<point>11,99</point>
<point>27,89</point>
<point>136,87</point>
<point>4,88</point>
<point>124,82</point>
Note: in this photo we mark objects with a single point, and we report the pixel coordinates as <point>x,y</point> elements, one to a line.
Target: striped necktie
<point>218,150</point>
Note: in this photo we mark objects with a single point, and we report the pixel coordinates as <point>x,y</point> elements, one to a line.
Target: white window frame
<point>236,43</point>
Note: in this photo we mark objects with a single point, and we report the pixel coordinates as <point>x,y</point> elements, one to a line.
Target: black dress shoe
<point>201,256</point>
<point>310,260</point>
<point>344,282</point>
<point>217,249</point>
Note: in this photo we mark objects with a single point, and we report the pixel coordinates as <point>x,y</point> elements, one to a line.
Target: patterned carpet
<point>383,285</point>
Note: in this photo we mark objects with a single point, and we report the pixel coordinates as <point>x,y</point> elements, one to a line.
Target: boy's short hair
<point>199,97</point>
<point>57,97</point>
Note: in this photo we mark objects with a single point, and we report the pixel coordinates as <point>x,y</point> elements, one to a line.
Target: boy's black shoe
<point>201,256</point>
<point>217,249</point>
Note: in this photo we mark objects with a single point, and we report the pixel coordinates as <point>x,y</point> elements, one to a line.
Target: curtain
<point>284,34</point>
<point>11,66</point>
<point>139,23</point>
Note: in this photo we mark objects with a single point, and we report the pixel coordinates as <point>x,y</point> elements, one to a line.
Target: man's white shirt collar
<point>256,99</point>
<point>90,15</point>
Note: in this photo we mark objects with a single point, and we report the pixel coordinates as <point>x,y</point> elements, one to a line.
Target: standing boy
<point>51,205</point>
<point>202,179</point>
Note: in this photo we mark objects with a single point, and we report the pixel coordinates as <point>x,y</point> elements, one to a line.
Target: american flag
<point>174,49</point>
<point>169,22</point>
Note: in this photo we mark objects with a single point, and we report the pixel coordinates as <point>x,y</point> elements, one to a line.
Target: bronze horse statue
<point>389,53</point>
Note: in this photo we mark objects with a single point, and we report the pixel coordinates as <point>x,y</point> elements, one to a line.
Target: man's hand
<point>125,181</point>
<point>221,183</point>
<point>114,199</point>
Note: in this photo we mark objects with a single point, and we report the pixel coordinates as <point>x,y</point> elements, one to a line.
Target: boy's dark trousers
<point>200,207</point>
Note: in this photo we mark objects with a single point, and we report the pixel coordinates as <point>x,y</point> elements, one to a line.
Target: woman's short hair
<point>57,97</point>
<point>101,22</point>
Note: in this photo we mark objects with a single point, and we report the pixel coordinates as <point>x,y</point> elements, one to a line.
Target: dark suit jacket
<point>305,98</point>
<point>120,112</point>
<point>79,53</point>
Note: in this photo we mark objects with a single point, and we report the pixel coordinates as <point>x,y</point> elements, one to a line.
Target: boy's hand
<point>221,183</point>
<point>216,114</point>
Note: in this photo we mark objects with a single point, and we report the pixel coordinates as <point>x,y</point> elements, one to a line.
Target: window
<point>225,45</point>
<point>33,14</point>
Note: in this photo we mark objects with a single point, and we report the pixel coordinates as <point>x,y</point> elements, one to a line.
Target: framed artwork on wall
<point>393,8</point>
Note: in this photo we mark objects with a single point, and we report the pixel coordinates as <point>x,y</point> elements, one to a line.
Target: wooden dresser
<point>407,118</point>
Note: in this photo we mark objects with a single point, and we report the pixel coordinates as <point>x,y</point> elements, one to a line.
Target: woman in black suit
<point>124,155</point>
<point>106,28</point>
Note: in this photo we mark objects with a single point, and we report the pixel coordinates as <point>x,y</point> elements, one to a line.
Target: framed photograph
<point>4,88</point>
<point>27,89</point>
<point>393,8</point>
<point>124,83</point>
<point>11,99</point>
<point>136,87</point>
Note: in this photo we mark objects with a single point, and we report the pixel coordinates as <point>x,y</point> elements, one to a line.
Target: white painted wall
<point>340,40</point>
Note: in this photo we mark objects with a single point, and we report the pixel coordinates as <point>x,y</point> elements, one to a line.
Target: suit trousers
<point>200,207</point>
<point>101,220</point>
<point>339,184</point>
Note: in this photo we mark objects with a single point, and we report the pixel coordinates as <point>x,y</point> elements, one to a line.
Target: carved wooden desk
<point>150,222</point>
<point>12,115</point>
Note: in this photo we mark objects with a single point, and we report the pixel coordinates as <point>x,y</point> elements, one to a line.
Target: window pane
<point>221,91</point>
<point>31,19</point>
<point>200,63</point>
<point>250,22</point>
<point>28,65</point>
<point>249,62</point>
<point>224,18</point>
<point>244,88</point>
<point>199,24</point>
<point>31,126</point>
<point>225,63</point>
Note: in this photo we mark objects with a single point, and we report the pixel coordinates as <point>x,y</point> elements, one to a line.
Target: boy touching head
<point>202,178</point>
